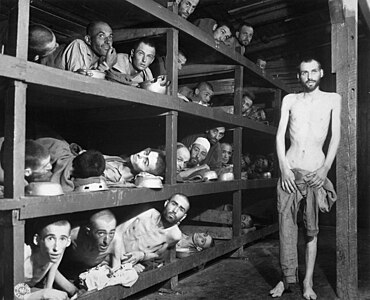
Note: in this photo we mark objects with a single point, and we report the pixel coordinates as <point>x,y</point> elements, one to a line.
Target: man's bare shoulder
<point>334,98</point>
<point>290,99</point>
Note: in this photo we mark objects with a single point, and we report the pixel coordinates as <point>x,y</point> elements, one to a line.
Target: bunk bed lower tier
<point>179,266</point>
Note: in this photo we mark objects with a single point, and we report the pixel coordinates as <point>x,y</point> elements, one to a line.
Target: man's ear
<point>69,241</point>
<point>132,52</point>
<point>298,77</point>
<point>237,34</point>
<point>88,39</point>
<point>196,91</point>
<point>198,248</point>
<point>87,230</point>
<point>214,27</point>
<point>27,172</point>
<point>321,73</point>
<point>36,239</point>
<point>182,219</point>
<point>165,204</point>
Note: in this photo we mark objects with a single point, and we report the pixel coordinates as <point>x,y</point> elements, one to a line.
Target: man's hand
<point>111,57</point>
<point>317,178</point>
<point>139,268</point>
<point>85,72</point>
<point>288,181</point>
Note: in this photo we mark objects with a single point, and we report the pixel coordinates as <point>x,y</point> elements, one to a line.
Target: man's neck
<point>312,93</point>
<point>165,223</point>
<point>39,260</point>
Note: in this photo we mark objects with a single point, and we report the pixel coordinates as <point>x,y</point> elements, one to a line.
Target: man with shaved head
<point>90,244</point>
<point>43,47</point>
<point>94,52</point>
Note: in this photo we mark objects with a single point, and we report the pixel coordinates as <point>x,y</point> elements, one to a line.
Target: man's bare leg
<point>311,250</point>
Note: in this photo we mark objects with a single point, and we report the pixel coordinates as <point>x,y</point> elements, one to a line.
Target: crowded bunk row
<point>123,164</point>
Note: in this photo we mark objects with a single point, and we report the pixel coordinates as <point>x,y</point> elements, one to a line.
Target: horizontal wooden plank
<point>217,232</point>
<point>82,92</point>
<point>75,202</point>
<point>154,277</point>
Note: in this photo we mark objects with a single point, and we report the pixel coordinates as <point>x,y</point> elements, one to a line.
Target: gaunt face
<point>187,7</point>
<point>310,74</point>
<point>198,154</point>
<point>102,232</point>
<point>214,135</point>
<point>245,35</point>
<point>144,161</point>
<point>142,57</point>
<point>53,240</point>
<point>183,156</point>
<point>222,33</point>
<point>226,152</point>
<point>175,209</point>
<point>202,240</point>
<point>100,38</point>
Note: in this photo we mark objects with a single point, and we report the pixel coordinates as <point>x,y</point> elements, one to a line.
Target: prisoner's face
<point>142,56</point>
<point>100,38</point>
<point>183,156</point>
<point>53,240</point>
<point>222,33</point>
<point>310,75</point>
<point>202,240</point>
<point>187,7</point>
<point>198,154</point>
<point>214,135</point>
<point>226,153</point>
<point>144,161</point>
<point>245,35</point>
<point>102,232</point>
<point>175,209</point>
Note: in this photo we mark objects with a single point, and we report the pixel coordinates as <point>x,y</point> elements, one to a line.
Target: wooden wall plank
<point>344,41</point>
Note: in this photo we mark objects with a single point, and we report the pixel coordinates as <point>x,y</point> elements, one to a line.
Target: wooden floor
<point>251,276</point>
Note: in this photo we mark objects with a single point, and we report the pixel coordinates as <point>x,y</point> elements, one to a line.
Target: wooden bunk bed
<point>105,101</point>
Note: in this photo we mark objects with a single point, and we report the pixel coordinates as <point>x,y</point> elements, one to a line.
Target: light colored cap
<point>204,142</point>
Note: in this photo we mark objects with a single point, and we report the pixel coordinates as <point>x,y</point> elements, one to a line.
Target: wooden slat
<point>153,277</point>
<point>85,90</point>
<point>75,202</point>
<point>12,232</point>
<point>171,146</point>
<point>345,42</point>
<point>126,34</point>
<point>14,143</point>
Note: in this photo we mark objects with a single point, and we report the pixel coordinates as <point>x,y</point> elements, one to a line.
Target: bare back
<point>309,120</point>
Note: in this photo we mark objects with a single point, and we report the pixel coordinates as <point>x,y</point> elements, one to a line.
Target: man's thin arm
<point>335,131</point>
<point>280,135</point>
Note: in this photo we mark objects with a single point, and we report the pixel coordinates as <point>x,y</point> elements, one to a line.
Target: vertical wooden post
<point>172,59</point>
<point>11,252</point>
<point>171,147</point>
<point>237,153</point>
<point>343,14</point>
<point>171,126</point>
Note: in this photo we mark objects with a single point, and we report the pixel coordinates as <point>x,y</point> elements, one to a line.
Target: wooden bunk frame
<point>15,208</point>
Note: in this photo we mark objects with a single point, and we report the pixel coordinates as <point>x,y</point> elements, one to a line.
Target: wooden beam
<point>364,6</point>
<point>127,34</point>
<point>344,45</point>
<point>12,253</point>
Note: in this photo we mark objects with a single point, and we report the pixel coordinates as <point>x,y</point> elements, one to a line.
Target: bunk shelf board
<point>194,32</point>
<point>80,92</point>
<point>75,202</point>
<point>154,277</point>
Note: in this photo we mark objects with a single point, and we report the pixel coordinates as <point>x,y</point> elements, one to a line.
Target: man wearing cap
<point>214,156</point>
<point>198,153</point>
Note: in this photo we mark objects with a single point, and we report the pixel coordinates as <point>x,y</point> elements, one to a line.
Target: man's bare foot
<point>278,290</point>
<point>308,292</point>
